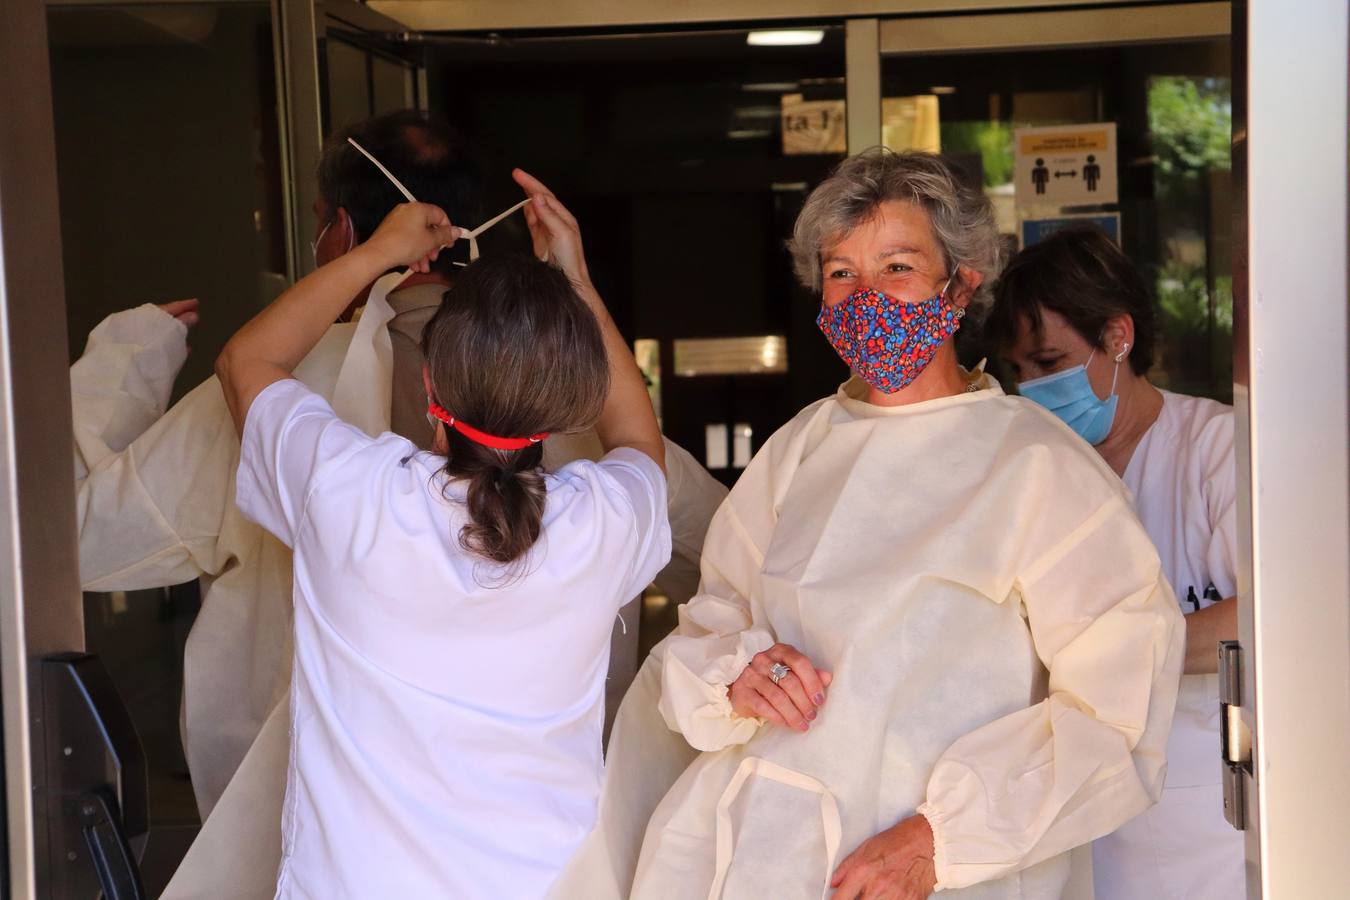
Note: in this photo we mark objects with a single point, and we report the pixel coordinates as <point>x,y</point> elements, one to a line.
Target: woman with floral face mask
<point>933,648</point>
<point>1075,323</point>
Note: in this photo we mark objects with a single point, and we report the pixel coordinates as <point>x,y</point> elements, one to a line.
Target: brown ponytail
<point>506,497</point>
<point>512,351</point>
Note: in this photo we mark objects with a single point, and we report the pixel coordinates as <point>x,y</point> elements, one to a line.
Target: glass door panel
<point>169,171</point>
<point>1172,107</point>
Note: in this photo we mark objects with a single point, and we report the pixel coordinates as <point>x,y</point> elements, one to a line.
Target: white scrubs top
<point>445,722</point>
<point>1183,477</point>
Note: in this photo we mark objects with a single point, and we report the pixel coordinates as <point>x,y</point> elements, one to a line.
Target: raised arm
<point>627,419</point>
<point>121,384</point>
<point>273,343</point>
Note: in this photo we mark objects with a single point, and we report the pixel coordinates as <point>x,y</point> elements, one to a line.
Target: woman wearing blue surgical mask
<point>932,648</point>
<point>1074,320</point>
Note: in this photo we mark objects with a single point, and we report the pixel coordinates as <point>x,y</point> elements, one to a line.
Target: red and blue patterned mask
<point>886,341</point>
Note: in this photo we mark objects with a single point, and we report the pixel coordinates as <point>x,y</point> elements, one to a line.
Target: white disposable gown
<point>1004,646</point>
<point>121,384</point>
<point>162,511</point>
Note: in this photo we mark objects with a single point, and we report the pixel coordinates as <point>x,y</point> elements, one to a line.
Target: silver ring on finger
<point>778,672</point>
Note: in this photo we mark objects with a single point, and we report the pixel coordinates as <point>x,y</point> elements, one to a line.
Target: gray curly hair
<point>962,219</point>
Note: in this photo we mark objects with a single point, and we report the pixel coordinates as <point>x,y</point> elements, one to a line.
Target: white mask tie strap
<point>387,174</point>
<point>471,235</point>
<point>401,189</point>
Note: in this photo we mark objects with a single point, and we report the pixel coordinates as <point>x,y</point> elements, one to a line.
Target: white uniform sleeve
<point>291,436</point>
<point>694,496</point>
<point>718,633</point>
<point>121,384</point>
<point>1091,756</point>
<point>635,477</point>
<point>1218,478</point>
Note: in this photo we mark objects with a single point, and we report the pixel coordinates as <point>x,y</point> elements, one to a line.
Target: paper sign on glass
<point>1066,165</point>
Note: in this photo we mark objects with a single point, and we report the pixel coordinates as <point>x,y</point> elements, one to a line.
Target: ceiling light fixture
<point>785,38</point>
<point>771,87</point>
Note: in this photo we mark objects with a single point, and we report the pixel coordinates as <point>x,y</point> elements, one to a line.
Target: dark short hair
<point>1083,276</point>
<point>423,152</point>
<point>513,351</point>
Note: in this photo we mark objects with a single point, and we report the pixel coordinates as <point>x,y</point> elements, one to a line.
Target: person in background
<point>162,510</point>
<point>1076,325</point>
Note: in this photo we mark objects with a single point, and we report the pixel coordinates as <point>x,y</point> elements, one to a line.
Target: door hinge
<point>1235,738</point>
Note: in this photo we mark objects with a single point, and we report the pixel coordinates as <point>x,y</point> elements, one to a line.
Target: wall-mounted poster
<point>1066,165</point>
<point>1036,230</point>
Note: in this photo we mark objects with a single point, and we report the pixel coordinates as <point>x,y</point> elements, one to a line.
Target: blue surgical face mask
<point>1069,395</point>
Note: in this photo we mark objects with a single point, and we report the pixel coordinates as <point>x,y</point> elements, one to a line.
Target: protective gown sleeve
<point>152,514</point>
<point>718,633</point>
<point>694,496</point>
<point>121,384</point>
<point>1092,755</point>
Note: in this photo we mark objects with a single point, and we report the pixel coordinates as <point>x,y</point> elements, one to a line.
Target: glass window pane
<point>169,167</point>
<point>348,84</point>
<point>391,84</point>
<point>1172,107</point>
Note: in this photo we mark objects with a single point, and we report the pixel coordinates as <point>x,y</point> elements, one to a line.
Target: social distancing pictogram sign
<point>1066,165</point>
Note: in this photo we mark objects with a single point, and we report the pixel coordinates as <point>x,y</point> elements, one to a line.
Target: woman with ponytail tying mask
<point>453,608</point>
<point>1074,320</point>
<point>933,648</point>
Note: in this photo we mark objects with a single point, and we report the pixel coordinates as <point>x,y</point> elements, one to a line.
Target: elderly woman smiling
<point>933,648</point>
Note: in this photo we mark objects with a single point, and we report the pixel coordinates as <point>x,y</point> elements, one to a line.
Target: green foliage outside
<point>1190,125</point>
<point>992,140</point>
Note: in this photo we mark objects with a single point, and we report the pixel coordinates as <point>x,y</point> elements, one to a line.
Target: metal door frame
<point>1292,396</point>
<point>299,29</point>
<point>493,15</point>
<point>40,605</point>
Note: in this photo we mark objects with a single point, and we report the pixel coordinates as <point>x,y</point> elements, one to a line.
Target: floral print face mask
<point>886,341</point>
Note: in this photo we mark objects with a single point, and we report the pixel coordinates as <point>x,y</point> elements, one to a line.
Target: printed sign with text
<point>813,126</point>
<point>1066,165</point>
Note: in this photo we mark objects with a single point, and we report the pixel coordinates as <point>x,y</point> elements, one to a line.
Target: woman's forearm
<point>627,419</point>
<point>273,343</point>
<point>285,332</point>
<point>270,346</point>
<point>1204,630</point>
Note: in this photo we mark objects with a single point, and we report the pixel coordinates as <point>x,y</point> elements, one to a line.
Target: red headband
<point>480,437</point>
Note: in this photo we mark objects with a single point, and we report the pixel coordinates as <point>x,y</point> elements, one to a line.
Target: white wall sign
<point>1066,165</point>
